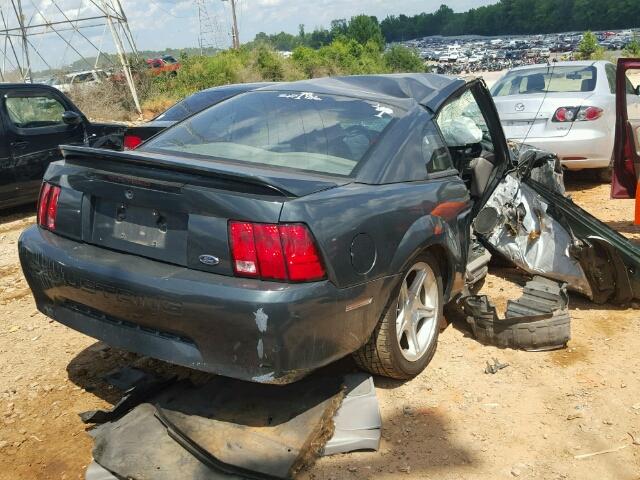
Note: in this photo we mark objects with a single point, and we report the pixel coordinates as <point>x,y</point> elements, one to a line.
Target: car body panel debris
<point>357,421</point>
<point>531,222</point>
<point>227,428</point>
<point>495,367</point>
<point>537,321</point>
<point>200,421</point>
<point>610,260</point>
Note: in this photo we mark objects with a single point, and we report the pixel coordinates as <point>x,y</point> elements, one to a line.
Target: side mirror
<point>71,118</point>
<point>637,90</point>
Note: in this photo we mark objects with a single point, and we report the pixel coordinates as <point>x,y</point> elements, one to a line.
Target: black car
<point>278,231</point>
<point>193,104</point>
<point>34,120</point>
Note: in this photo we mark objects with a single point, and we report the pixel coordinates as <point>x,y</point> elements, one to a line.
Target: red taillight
<point>564,115</point>
<point>589,113</point>
<point>274,252</point>
<point>131,142</point>
<point>243,249</point>
<point>48,206</point>
<point>577,114</point>
<point>42,203</point>
<point>269,248</point>
<point>303,261</point>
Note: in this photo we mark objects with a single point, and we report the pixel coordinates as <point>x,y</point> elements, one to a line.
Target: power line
<point>105,13</point>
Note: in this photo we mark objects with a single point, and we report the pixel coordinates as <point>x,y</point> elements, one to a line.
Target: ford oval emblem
<point>209,260</point>
<point>128,194</point>
<point>519,107</point>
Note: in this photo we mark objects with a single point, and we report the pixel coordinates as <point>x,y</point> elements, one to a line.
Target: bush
<point>260,62</point>
<point>589,49</point>
<point>633,49</point>
<point>402,59</point>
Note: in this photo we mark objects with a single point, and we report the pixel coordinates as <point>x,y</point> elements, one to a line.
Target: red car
<point>166,64</point>
<point>626,165</point>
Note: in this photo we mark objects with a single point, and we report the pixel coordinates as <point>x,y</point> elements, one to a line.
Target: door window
<point>633,100</point>
<point>610,70</point>
<point>34,112</point>
<point>434,151</point>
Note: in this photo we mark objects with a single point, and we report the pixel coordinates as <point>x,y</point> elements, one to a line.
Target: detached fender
<point>432,232</point>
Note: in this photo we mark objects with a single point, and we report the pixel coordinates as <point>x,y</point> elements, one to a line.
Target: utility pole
<point>235,34</point>
<point>25,42</point>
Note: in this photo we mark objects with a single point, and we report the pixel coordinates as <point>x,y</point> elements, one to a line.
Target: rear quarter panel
<point>383,227</point>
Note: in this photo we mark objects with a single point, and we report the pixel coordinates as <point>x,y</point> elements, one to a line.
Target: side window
<point>434,152</point>
<point>630,88</point>
<point>34,112</point>
<point>462,123</point>
<point>610,70</point>
<point>633,99</point>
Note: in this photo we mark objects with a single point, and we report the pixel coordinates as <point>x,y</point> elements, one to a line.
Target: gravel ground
<point>529,420</point>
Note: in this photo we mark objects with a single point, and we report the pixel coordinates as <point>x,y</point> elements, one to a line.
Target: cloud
<point>159,24</point>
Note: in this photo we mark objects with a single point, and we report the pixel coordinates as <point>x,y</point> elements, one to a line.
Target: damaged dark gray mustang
<point>278,231</point>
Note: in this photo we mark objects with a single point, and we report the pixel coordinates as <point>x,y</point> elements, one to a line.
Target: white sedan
<point>567,108</point>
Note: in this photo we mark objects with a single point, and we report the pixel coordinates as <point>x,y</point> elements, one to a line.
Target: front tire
<point>405,339</point>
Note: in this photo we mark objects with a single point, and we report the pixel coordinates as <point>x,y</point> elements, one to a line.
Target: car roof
<point>72,74</point>
<point>40,86</point>
<point>233,87</point>
<point>427,89</point>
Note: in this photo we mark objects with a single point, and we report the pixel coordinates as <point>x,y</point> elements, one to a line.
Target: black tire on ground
<point>381,354</point>
<point>604,175</point>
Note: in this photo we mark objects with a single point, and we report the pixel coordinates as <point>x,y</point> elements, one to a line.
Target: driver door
<point>626,164</point>
<point>34,129</point>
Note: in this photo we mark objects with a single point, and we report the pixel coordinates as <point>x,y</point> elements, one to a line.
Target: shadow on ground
<point>17,213</point>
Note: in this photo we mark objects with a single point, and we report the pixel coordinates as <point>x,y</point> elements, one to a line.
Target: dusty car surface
<point>278,231</point>
<point>568,108</point>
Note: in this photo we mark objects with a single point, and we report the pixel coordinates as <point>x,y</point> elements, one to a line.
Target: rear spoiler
<point>281,182</point>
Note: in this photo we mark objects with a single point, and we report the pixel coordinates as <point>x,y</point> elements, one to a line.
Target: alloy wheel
<point>417,311</point>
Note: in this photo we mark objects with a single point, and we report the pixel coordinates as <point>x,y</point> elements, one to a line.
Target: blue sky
<point>159,24</point>
<point>180,24</point>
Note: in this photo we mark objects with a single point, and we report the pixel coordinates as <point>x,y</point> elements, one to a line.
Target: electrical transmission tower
<point>36,33</point>
<point>211,34</point>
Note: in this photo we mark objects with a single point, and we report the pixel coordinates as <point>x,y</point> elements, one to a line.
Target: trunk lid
<point>530,115</point>
<point>175,210</point>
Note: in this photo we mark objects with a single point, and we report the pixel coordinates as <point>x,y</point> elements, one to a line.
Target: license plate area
<point>151,232</point>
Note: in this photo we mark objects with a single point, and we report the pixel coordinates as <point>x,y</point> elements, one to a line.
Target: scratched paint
<point>266,378</point>
<point>261,320</point>
<point>260,349</point>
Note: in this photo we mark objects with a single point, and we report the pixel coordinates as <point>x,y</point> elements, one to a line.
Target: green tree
<point>588,48</point>
<point>402,59</point>
<point>633,49</point>
<point>364,29</point>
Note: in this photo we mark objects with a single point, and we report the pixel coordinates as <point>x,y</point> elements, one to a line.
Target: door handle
<point>19,144</point>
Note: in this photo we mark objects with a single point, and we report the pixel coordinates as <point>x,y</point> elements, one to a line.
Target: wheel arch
<point>431,234</point>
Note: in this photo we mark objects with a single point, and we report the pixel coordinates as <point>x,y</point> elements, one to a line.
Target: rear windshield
<point>300,130</point>
<point>550,79</point>
<point>194,104</point>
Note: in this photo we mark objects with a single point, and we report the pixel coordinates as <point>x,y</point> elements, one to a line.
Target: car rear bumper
<point>242,328</point>
<point>579,149</point>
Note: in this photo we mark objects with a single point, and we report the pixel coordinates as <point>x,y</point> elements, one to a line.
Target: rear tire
<point>405,339</point>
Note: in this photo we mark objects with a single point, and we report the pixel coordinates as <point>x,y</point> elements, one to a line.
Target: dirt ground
<point>454,421</point>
